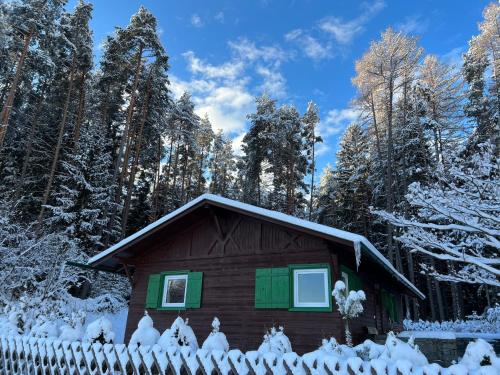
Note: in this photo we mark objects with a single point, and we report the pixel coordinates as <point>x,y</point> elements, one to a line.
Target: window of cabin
<point>174,291</point>
<point>310,287</point>
<point>297,287</point>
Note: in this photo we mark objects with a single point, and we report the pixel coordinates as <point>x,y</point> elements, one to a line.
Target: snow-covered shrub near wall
<point>11,322</point>
<point>396,349</point>
<point>44,328</point>
<point>145,334</point>
<point>480,353</point>
<point>275,341</point>
<point>72,330</point>
<point>216,340</point>
<point>180,334</point>
<point>100,331</point>
<point>489,322</point>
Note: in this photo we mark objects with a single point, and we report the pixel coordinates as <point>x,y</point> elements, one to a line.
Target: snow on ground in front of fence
<point>450,335</point>
<point>118,321</point>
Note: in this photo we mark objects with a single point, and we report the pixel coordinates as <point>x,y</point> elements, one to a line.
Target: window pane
<point>175,290</point>
<point>311,287</point>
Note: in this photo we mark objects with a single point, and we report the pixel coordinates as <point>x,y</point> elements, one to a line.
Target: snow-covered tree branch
<point>457,218</point>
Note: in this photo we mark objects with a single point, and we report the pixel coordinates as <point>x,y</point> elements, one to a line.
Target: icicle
<point>357,253</point>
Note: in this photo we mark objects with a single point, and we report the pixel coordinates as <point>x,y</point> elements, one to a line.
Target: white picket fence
<point>28,355</point>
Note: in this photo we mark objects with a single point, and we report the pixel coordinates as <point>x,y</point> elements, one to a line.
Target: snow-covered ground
<point>450,335</point>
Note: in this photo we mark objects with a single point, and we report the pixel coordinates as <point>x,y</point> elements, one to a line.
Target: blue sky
<point>225,52</point>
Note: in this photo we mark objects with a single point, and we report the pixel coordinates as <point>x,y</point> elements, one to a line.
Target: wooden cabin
<point>253,268</point>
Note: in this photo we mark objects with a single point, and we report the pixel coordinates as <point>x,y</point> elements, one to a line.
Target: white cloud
<point>454,57</point>
<point>311,47</point>
<point>248,50</point>
<point>413,25</point>
<point>226,91</point>
<point>228,70</point>
<point>273,81</point>
<point>322,148</point>
<point>219,17</point>
<point>237,142</point>
<point>196,21</point>
<point>345,31</point>
<point>337,120</point>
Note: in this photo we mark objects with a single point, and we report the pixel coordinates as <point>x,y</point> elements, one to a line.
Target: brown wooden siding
<point>228,247</point>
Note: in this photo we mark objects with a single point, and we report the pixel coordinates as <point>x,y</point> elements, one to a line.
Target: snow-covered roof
<point>359,242</point>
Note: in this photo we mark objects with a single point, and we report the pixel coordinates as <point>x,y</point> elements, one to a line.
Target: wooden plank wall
<point>228,247</point>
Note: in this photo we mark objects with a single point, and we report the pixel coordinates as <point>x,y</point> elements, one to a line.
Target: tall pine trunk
<point>313,168</point>
<point>80,112</point>
<point>7,108</point>
<point>135,163</point>
<point>124,137</point>
<point>29,145</point>
<point>57,150</point>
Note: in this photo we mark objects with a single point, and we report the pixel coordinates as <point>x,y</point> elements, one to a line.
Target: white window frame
<point>345,279</point>
<point>296,273</point>
<point>165,290</point>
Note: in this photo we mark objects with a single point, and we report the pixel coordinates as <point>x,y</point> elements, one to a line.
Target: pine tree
<point>256,148</point>
<point>311,120</point>
<point>351,175</point>
<point>287,162</point>
<point>222,167</point>
<point>439,87</point>
<point>76,48</point>
<point>85,192</point>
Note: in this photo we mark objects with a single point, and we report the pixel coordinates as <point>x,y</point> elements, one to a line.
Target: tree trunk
<point>7,108</point>
<point>313,168</point>
<point>135,163</point>
<point>430,295</point>
<point>79,115</point>
<point>125,135</point>
<point>439,295</point>
<point>156,189</point>
<point>388,177</point>
<point>29,146</point>
<point>123,139</point>
<point>57,150</point>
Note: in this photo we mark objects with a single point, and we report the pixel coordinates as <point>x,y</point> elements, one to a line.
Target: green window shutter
<point>263,288</point>
<point>355,282</point>
<point>280,288</point>
<point>358,284</point>
<point>389,305</point>
<point>394,308</point>
<point>194,289</point>
<point>153,292</point>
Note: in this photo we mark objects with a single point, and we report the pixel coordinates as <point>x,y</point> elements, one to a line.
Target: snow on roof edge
<point>356,239</point>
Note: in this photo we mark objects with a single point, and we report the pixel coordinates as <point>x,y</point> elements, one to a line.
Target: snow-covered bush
<point>145,334</point>
<point>275,341</point>
<point>349,305</point>
<point>180,334</point>
<point>333,348</point>
<point>480,353</point>
<point>396,350</point>
<point>72,330</point>
<point>12,322</point>
<point>485,323</point>
<point>216,340</point>
<point>369,350</point>
<point>43,328</point>
<point>101,331</point>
